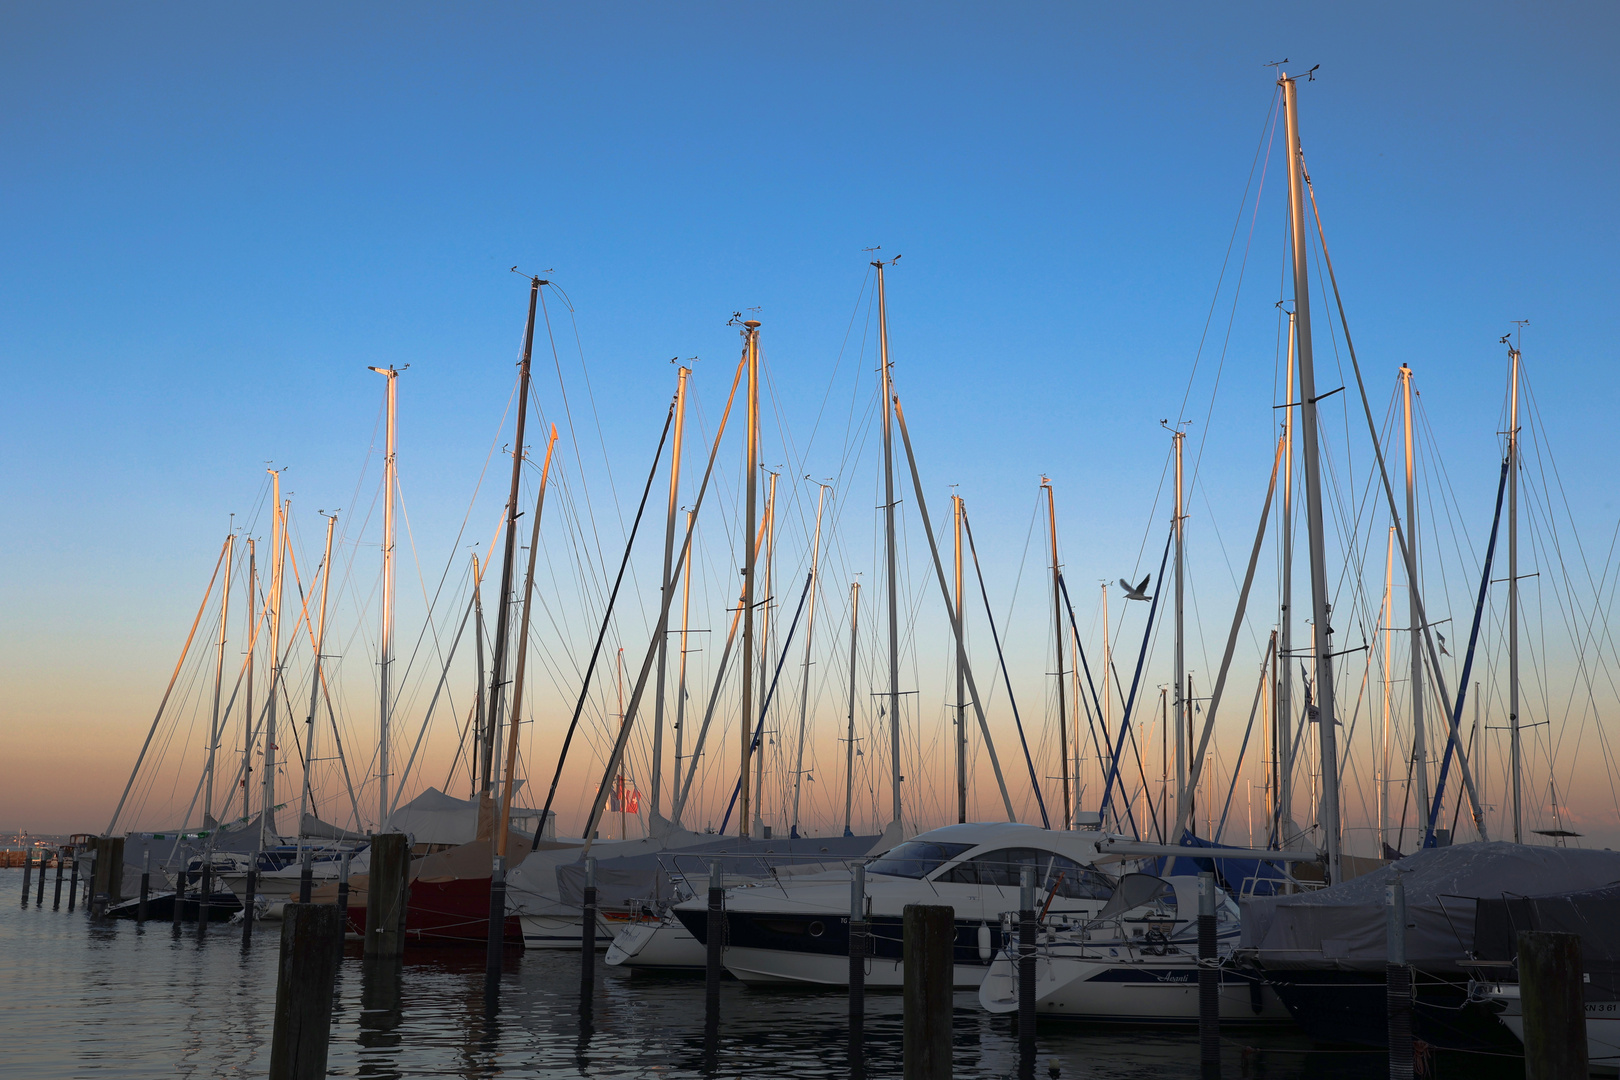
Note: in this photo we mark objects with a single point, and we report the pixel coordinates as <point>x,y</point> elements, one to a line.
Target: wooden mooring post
<point>1026,961</point>
<point>73,883</point>
<point>146,885</point>
<point>305,983</point>
<point>587,940</point>
<point>28,875</point>
<point>39,898</point>
<point>929,959</point>
<point>1553,998</point>
<point>714,946</point>
<point>248,886</point>
<point>56,902</point>
<point>387,895</point>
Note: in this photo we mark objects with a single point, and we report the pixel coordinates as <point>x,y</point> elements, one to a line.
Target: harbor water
<point>85,998</point>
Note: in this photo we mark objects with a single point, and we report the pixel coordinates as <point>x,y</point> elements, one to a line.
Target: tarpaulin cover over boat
<point>632,878</point>
<point>1343,927</point>
<point>1593,915</point>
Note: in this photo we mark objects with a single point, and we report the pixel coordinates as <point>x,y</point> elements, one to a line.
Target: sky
<point>216,219</point>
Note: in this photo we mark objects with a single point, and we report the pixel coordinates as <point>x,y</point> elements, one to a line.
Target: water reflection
<point>148,1004</point>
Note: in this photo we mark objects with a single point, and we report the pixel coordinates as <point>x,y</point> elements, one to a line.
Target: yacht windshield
<point>916,858</point>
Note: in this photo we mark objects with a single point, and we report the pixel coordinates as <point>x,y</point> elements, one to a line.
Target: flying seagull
<point>1135,592</point>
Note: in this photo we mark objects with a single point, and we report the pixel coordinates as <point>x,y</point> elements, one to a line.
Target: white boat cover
<point>436,818</point>
<point>1343,927</point>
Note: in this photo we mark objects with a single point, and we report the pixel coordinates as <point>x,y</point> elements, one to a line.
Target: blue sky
<point>216,217</point>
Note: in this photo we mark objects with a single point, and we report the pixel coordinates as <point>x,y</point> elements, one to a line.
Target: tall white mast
<point>386,647</point>
<point>1057,629</point>
<point>278,559</point>
<point>680,678</point>
<point>1285,719</point>
<point>219,679</point>
<point>961,676</point>
<point>1383,780</point>
<point>1420,751</point>
<point>849,747</point>
<point>809,635</point>
<point>1321,629</point>
<point>888,545</point>
<point>253,641</point>
<point>669,558</point>
<point>1178,524</point>
<point>314,695</point>
<point>750,517</point>
<point>1513,602</point>
<point>764,654</point>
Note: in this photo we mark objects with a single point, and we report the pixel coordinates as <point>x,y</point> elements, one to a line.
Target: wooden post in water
<point>857,951</point>
<point>146,884</point>
<point>929,959</point>
<point>56,902</point>
<point>28,874</point>
<point>39,898</point>
<point>386,898</point>
<point>304,989</point>
<point>1209,982</point>
<point>205,889</point>
<point>715,945</point>
<point>343,895</point>
<point>1553,998</point>
<point>73,880</point>
<point>1398,984</point>
<point>587,940</point>
<point>1026,960</point>
<point>247,902</point>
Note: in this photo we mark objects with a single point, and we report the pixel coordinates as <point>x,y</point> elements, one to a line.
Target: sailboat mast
<point>849,747</point>
<point>1284,727</point>
<point>750,518</point>
<point>1513,601</point>
<point>680,678</point>
<point>503,615</point>
<point>219,680</point>
<point>961,676</point>
<point>315,691</point>
<point>278,558</point>
<point>253,640</point>
<point>1183,716</point>
<point>619,780</point>
<point>1108,702</point>
<point>669,558</point>
<point>1057,627</point>
<point>1322,645</point>
<point>804,683</point>
<point>1383,779</point>
<point>765,651</point>
<point>1420,753</point>
<point>478,643</point>
<point>385,701</point>
<point>888,543</point>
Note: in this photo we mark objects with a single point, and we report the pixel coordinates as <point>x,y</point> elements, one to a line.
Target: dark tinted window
<point>916,858</point>
<point>1004,869</point>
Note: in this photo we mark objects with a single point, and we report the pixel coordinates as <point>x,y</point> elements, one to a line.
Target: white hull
<point>562,931</point>
<point>1602,1026</point>
<point>657,946</point>
<point>1132,988</point>
<point>767,967</point>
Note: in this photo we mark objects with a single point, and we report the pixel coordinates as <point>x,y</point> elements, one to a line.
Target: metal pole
<point>305,874</point>
<point>1057,627</point>
<point>497,682</point>
<point>1284,755</point>
<point>809,634</point>
<point>669,558</point>
<point>680,678</point>
<point>1328,814</point>
<point>751,469</point>
<point>849,747</point>
<point>765,654</point>
<point>961,676</point>
<point>1513,604</point>
<point>1183,714</point>
<point>892,580</point>
<point>1420,753</point>
<point>219,679</point>
<point>386,660</point>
